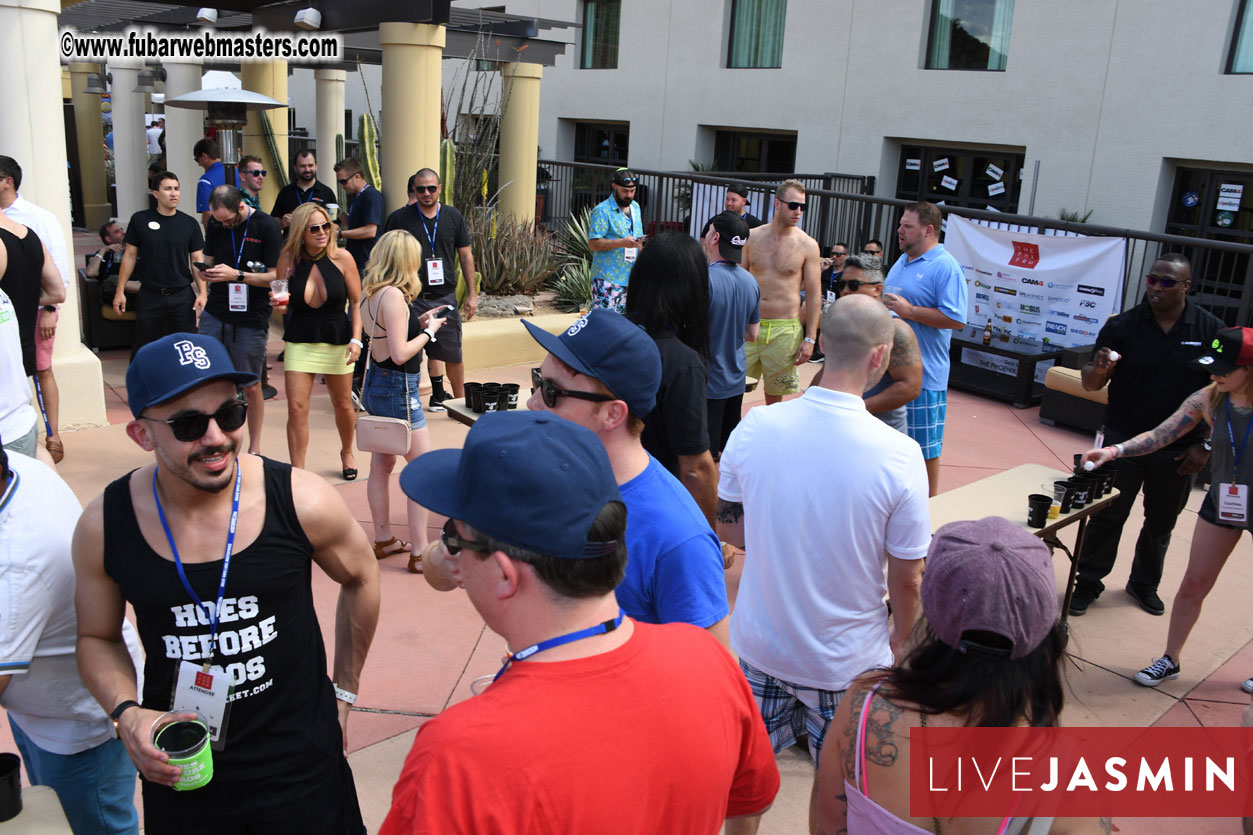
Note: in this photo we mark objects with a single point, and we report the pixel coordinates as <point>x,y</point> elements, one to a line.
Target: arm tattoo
<point>904,347</point>
<point>1187,416</point>
<point>730,512</point>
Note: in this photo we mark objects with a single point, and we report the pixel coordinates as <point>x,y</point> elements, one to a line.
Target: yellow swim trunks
<point>772,357</point>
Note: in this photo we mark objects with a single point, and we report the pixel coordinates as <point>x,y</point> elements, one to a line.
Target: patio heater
<point>228,112</point>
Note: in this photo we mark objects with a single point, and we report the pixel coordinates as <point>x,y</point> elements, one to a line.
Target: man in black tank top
<point>213,550</point>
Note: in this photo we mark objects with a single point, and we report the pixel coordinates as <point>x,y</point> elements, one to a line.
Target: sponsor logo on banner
<point>1029,308</point>
<point>1057,285</point>
<point>1088,303</point>
<point>979,283</point>
<point>1018,341</point>
<point>1055,327</point>
<point>982,272</point>
<point>1026,321</point>
<point>1089,290</point>
<point>983,297</point>
<point>1009,320</point>
<point>1082,332</point>
<point>1059,298</point>
<point>1037,282</point>
<point>1025,255</point>
<point>1060,314</point>
<point>1006,291</point>
<point>1027,335</point>
<point>1079,317</point>
<point>1023,294</point>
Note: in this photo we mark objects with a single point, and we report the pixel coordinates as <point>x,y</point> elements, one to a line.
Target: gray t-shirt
<point>734,304</point>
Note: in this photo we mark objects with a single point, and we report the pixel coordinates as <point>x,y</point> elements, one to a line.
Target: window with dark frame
<point>756,40</point>
<point>773,153</point>
<point>602,143</point>
<point>985,179</point>
<point>601,21</point>
<point>1240,59</point>
<point>969,34</point>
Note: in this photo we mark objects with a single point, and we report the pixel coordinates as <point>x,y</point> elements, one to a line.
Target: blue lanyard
<point>430,234</point>
<point>568,638</point>
<point>312,189</point>
<point>14,478</point>
<point>239,253</point>
<point>1231,435</point>
<point>226,558</point>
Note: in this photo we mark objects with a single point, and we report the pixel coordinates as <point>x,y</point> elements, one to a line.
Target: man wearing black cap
<point>615,231</point>
<point>737,201</point>
<point>536,536</point>
<point>213,550</point>
<point>734,314</point>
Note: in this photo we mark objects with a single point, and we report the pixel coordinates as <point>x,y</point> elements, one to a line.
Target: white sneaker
<point>1247,687</point>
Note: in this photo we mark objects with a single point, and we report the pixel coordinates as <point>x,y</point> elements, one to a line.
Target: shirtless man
<point>784,260</point>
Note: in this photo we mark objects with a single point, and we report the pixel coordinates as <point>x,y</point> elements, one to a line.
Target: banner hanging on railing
<point>1041,288</point>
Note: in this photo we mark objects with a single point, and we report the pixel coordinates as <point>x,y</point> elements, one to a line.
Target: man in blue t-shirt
<point>734,318</point>
<point>209,157</point>
<point>603,374</point>
<point>930,294</point>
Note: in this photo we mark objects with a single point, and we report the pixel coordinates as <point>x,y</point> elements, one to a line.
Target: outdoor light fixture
<point>147,82</point>
<point>96,83</point>
<point>309,18</point>
<point>228,112</point>
<point>207,15</point>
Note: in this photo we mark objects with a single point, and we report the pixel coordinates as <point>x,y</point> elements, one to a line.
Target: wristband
<point>430,334</point>
<point>344,696</point>
<point>356,342</point>
<point>117,712</point>
<point>811,341</point>
<point>1115,451</point>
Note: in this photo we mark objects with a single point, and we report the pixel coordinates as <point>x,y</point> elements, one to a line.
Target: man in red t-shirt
<point>608,725</point>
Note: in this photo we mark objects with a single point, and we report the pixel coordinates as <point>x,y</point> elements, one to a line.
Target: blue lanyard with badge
<point>1233,499</point>
<point>237,292</point>
<point>434,266</point>
<point>204,689</point>
<point>630,253</point>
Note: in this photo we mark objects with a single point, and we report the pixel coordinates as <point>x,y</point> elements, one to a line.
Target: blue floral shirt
<point>609,221</point>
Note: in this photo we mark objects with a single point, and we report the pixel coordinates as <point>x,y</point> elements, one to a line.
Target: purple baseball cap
<point>990,575</point>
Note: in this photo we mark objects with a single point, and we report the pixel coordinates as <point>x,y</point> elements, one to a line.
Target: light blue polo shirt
<point>933,279</point>
<point>609,221</point>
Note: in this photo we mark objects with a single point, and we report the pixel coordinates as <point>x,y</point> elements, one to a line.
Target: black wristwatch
<point>118,711</point>
<point>239,276</point>
<point>51,308</point>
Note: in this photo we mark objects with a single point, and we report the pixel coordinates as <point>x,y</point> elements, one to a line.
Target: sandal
<point>55,449</point>
<point>350,474</point>
<point>415,563</point>
<point>383,549</point>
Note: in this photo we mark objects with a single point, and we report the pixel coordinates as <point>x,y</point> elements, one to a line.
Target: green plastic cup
<point>187,744</point>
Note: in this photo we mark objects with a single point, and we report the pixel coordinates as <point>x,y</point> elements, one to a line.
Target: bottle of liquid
<point>987,332</point>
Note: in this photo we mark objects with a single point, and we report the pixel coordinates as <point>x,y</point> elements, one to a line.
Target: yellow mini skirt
<point>316,358</point>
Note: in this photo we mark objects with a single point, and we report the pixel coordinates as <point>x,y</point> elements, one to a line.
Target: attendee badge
<point>238,295</point>
<point>629,254</point>
<point>830,295</point>
<point>1233,503</point>
<point>435,272</point>
<point>207,693</point>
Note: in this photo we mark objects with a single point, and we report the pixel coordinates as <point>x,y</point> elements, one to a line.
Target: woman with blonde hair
<point>398,333</point>
<point>324,329</point>
<point>1226,405</point>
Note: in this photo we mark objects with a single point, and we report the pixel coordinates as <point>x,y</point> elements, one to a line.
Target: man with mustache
<point>213,551</point>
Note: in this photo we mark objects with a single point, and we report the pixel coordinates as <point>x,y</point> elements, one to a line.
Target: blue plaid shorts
<point>790,710</point>
<point>926,421</point>
<point>608,295</point>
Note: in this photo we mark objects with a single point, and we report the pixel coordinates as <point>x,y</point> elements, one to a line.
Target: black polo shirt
<point>292,196</point>
<point>164,242</point>
<point>448,232</point>
<point>1154,375</point>
<point>251,247</point>
<point>366,209</point>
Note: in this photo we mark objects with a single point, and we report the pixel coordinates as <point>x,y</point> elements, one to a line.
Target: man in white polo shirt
<point>810,615</point>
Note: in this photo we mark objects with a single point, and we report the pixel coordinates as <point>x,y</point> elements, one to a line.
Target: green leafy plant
<point>572,282</point>
<point>1074,216</point>
<point>511,257</point>
<point>683,190</point>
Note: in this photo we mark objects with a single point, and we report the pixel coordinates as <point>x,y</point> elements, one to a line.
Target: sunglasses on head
<point>191,426</point>
<point>794,205</point>
<point>550,392</point>
<point>427,189</point>
<point>628,182</point>
<point>1166,283</point>
<point>454,543</point>
<point>320,227</point>
<point>854,284</point>
<point>256,172</point>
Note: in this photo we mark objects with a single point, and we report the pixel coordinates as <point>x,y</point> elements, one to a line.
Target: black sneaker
<point>1081,600</point>
<point>1148,600</point>
<point>1163,669</point>
<point>817,356</point>
<point>437,402</point>
<point>268,392</point>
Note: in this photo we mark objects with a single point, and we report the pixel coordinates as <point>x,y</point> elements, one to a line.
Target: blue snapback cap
<point>613,349</point>
<point>164,369</point>
<point>531,479</point>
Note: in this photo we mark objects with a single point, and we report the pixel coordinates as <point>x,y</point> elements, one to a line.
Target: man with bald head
<point>1145,354</point>
<point>810,615</point>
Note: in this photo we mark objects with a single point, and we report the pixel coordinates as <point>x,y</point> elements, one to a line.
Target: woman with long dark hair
<point>668,296</point>
<point>988,654</point>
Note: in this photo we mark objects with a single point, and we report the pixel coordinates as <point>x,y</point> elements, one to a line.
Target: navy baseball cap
<point>608,346</point>
<point>164,369</point>
<point>531,479</point>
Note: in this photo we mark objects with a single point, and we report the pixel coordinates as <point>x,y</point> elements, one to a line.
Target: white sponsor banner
<point>1043,288</point>
<point>709,199</point>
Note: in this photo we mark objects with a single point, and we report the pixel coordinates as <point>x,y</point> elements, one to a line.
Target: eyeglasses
<point>320,227</point>
<point>550,392</point>
<point>345,180</point>
<point>256,172</point>
<point>454,543</point>
<point>427,189</point>
<point>191,426</point>
<point>794,205</point>
<point>854,284</point>
<point>1166,283</point>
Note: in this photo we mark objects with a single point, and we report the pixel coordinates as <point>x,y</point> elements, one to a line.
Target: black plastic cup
<point>1107,473</point>
<point>475,397</point>
<point>490,395</point>
<point>1082,489</point>
<point>1068,496</point>
<point>10,786</point>
<point>1038,506</point>
<point>511,389</point>
<point>1078,469</point>
<point>1095,485</point>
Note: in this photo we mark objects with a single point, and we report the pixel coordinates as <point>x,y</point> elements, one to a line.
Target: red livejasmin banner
<point>1080,772</point>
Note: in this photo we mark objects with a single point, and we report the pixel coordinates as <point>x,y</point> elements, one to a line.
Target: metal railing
<point>842,208</point>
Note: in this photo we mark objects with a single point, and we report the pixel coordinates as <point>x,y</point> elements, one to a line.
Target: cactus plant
<point>369,151</point>
<point>277,164</point>
<point>340,197</point>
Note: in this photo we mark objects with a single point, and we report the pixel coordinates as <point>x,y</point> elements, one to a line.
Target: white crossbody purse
<point>384,435</point>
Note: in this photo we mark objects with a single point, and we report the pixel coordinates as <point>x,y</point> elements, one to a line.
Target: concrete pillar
<point>329,120</point>
<point>33,133</point>
<point>412,97</point>
<point>519,138</point>
<point>269,78</point>
<point>130,144</point>
<point>183,129</point>
<point>87,123</point>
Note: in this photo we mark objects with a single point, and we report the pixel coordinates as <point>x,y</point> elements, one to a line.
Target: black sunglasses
<point>550,392</point>
<point>454,543</point>
<point>794,205</point>
<point>256,172</point>
<point>191,426</point>
<point>320,227</point>
<point>627,182</point>
<point>1166,283</point>
<point>345,180</point>
<point>853,284</point>
<point>874,252</point>
<point>427,189</point>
